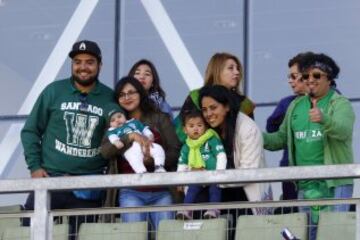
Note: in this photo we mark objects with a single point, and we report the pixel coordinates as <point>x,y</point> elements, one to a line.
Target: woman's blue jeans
<point>132,198</point>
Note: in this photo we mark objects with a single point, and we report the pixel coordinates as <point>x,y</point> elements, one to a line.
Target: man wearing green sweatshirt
<point>63,132</point>
<point>317,130</point>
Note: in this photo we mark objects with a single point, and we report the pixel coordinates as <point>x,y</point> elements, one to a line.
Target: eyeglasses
<point>83,102</point>
<point>315,75</point>
<point>129,94</point>
<point>293,76</point>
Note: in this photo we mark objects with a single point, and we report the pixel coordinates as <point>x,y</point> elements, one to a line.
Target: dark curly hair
<point>300,59</point>
<point>323,62</point>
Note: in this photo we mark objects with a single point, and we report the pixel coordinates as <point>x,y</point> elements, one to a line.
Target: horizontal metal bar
<point>239,176</point>
<point>272,104</point>
<point>176,207</point>
<point>17,117</point>
<point>13,117</point>
<point>222,205</point>
<point>26,214</point>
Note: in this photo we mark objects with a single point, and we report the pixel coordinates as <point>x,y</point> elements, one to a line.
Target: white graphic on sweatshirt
<point>80,129</point>
<point>309,135</point>
<point>76,107</point>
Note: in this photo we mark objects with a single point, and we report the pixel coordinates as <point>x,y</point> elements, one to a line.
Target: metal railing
<point>23,117</point>
<point>42,217</point>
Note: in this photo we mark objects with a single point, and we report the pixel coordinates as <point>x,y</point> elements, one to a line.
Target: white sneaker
<point>159,169</point>
<point>184,215</point>
<point>212,213</point>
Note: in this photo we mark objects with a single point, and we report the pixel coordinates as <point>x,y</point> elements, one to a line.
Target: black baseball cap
<point>86,46</point>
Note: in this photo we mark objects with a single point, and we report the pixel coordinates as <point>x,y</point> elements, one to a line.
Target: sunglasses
<point>129,94</point>
<point>315,75</point>
<point>83,102</point>
<point>293,76</point>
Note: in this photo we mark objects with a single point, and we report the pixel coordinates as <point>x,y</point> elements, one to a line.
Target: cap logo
<point>82,46</point>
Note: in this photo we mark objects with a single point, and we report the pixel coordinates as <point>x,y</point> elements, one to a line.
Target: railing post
<point>41,226</point>
<point>358,220</point>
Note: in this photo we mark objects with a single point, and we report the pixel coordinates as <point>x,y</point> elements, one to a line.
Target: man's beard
<point>85,83</point>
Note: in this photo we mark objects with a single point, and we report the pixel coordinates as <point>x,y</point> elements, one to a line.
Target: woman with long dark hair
<point>145,71</point>
<point>133,98</point>
<point>242,140</point>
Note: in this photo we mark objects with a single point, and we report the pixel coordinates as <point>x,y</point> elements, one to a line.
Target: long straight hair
<point>216,66</point>
<point>155,87</point>
<point>223,96</point>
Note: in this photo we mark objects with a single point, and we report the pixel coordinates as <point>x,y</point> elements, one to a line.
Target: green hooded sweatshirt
<point>338,123</point>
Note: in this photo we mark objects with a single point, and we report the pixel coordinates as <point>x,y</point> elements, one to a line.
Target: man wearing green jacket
<point>317,130</point>
<point>63,132</point>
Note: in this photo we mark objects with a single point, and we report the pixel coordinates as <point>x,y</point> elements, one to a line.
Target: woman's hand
<point>118,144</point>
<point>198,169</point>
<point>144,142</point>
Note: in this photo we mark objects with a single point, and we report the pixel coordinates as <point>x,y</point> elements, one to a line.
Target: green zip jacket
<point>338,122</point>
<point>63,132</point>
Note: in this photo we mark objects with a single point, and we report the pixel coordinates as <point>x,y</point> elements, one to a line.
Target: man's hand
<point>315,112</point>
<point>180,188</point>
<point>40,173</point>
